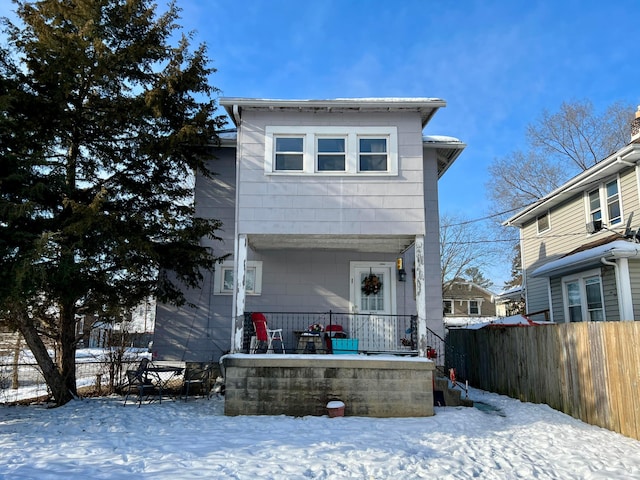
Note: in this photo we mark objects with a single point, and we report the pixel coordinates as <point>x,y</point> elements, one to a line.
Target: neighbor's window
<point>474,307</point>
<point>543,222</point>
<point>606,194</point>
<point>372,154</point>
<point>331,154</point>
<point>583,297</point>
<point>223,279</point>
<point>289,153</point>
<point>613,202</point>
<point>447,307</point>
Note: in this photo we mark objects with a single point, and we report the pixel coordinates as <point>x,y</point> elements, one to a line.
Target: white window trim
<point>352,134</point>
<point>479,302</point>
<point>548,215</point>
<point>451,305</point>
<point>218,278</point>
<point>604,207</point>
<point>580,278</point>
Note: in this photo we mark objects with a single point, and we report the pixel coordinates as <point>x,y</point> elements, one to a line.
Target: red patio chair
<point>264,334</point>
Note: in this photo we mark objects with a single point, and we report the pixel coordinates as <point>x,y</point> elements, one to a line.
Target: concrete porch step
<point>444,395</point>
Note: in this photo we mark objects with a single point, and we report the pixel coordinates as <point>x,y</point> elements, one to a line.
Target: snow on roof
<point>439,139</point>
<point>615,249</point>
<point>512,321</point>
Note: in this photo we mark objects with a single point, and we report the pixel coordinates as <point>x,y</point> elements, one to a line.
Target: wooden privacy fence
<point>590,371</point>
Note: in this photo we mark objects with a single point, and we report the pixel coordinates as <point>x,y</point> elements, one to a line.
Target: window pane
<point>575,302</point>
<point>227,279</point>
<point>473,307</point>
<point>373,145</point>
<point>288,161</point>
<point>331,145</point>
<point>594,299</point>
<point>375,301</point>
<point>288,144</point>
<point>543,223</point>
<point>328,163</point>
<point>612,189</point>
<point>250,280</point>
<point>373,163</point>
<point>447,307</point>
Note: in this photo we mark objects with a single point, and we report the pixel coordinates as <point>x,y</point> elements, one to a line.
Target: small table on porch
<point>310,342</point>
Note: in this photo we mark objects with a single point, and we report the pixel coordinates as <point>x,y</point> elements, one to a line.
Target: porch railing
<point>394,334</point>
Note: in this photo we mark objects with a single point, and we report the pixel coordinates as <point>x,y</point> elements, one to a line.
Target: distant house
<point>330,213</point>
<point>580,243</point>
<point>464,302</point>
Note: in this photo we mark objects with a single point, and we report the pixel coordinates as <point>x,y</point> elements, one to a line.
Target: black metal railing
<point>395,334</point>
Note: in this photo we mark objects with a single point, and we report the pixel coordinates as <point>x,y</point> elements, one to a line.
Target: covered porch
<point>309,282</point>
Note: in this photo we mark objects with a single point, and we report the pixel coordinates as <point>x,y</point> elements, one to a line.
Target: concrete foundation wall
<point>303,385</point>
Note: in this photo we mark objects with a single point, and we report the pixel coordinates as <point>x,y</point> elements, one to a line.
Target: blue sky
<point>498,64</point>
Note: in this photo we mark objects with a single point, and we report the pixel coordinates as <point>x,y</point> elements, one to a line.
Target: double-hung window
<point>289,153</point>
<point>331,156</point>
<point>223,278</point>
<point>542,221</point>
<point>474,307</point>
<point>604,205</point>
<point>372,154</point>
<point>583,297</point>
<point>447,307</point>
<point>340,150</point>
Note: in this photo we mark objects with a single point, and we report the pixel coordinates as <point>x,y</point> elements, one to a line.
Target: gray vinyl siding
<point>320,204</point>
<point>203,333</point>
<point>610,292</point>
<point>567,232</point>
<point>557,300</point>
<point>634,274</point>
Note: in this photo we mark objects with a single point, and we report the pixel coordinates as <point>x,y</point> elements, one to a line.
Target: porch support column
<point>624,289</point>
<point>239,292</point>
<point>421,299</point>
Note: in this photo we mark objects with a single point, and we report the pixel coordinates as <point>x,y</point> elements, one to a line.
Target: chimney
<point>635,128</point>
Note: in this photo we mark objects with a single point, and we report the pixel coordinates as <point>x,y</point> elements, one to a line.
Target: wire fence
<point>23,382</point>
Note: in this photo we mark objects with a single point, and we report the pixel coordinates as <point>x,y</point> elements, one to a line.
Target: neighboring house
<point>464,302</point>
<point>510,302</point>
<point>579,243</point>
<point>316,196</point>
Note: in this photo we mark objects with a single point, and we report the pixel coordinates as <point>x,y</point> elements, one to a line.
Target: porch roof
<point>585,258</point>
<point>359,243</point>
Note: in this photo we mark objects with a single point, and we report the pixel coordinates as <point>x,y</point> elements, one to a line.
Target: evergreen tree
<point>102,123</point>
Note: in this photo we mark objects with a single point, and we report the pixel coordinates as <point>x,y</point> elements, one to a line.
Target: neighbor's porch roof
<point>586,258</point>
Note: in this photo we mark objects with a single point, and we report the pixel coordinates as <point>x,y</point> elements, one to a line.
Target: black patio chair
<point>139,382</point>
<point>197,376</point>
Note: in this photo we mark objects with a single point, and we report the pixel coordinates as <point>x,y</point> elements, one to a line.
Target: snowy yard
<point>99,438</point>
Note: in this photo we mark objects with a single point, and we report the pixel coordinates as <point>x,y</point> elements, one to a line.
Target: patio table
<point>310,342</point>
<point>164,375</point>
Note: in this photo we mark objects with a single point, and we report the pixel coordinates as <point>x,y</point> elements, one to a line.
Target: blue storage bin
<point>342,346</point>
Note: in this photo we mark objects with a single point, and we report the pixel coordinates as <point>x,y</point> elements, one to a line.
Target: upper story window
<point>542,221</point>
<point>372,154</point>
<point>331,150</point>
<point>331,154</point>
<point>604,204</point>
<point>289,153</point>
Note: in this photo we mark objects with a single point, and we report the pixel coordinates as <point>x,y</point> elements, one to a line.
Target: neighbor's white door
<point>371,323</point>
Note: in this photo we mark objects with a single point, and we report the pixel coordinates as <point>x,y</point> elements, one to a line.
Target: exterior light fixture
<point>402,274</point>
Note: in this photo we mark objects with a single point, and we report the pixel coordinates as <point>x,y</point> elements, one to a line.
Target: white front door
<point>372,323</point>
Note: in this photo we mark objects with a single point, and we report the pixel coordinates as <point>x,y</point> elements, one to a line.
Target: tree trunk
<point>52,375</point>
<point>15,382</point>
<point>67,358</point>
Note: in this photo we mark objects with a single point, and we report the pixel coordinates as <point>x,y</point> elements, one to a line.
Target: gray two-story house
<point>330,216</point>
<point>580,243</point>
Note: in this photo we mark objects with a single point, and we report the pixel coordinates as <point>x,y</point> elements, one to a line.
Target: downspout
<point>623,287</point>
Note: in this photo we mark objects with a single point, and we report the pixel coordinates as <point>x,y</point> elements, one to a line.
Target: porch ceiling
<point>357,243</point>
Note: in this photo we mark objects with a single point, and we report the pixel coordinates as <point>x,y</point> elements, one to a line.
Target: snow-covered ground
<point>505,439</point>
